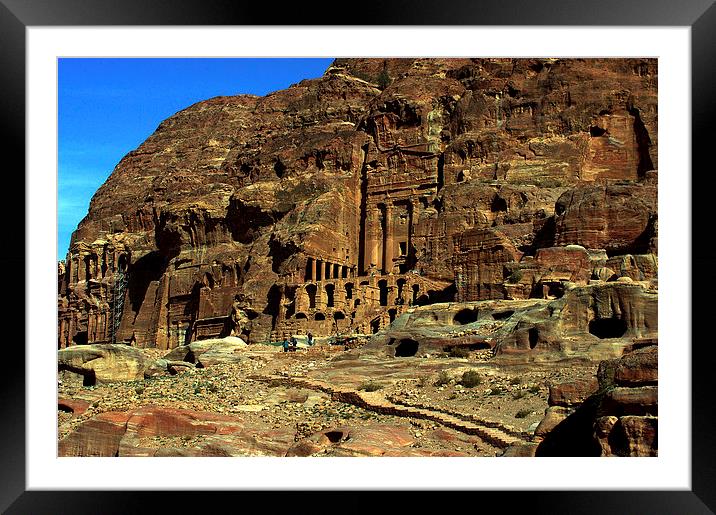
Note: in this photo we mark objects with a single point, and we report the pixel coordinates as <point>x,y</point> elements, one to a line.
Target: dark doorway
<point>80,338</point>
<point>383,285</point>
<point>406,348</point>
<point>311,290</point>
<point>330,288</point>
<point>608,327</point>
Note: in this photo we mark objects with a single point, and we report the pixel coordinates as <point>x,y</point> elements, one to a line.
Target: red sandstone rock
<point>618,218</point>
<point>573,393</point>
<point>334,205</point>
<point>638,367</point>
<point>620,420</point>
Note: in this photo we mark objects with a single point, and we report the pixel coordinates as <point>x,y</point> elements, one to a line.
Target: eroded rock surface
<point>616,416</point>
<point>333,206</point>
<point>426,220</point>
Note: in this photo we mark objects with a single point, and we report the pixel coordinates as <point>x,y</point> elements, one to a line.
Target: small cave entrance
<point>80,338</point>
<point>334,436</point>
<point>279,169</point>
<point>498,204</point>
<point>465,316</point>
<point>349,290</point>
<point>596,131</point>
<point>406,348</point>
<point>320,316</point>
<point>533,337</point>
<point>502,315</point>
<point>89,378</point>
<point>608,327</point>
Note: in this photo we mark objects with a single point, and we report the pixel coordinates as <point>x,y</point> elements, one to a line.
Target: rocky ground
<point>257,392</point>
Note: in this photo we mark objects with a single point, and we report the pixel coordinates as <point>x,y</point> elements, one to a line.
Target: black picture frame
<point>17,15</point>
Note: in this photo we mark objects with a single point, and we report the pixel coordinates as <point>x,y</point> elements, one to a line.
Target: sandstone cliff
<point>333,206</point>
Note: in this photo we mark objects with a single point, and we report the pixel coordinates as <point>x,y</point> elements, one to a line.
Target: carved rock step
<point>375,401</point>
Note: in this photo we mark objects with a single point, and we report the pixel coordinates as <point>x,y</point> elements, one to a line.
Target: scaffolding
<point>120,286</point>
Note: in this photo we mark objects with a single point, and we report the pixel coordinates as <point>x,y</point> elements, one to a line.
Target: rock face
<point>335,205</point>
<point>156,431</point>
<point>596,321</point>
<point>616,416</point>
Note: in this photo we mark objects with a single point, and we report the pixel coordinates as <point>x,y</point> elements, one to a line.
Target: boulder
<point>638,367</point>
<point>572,393</point>
<point>209,352</point>
<point>103,362</point>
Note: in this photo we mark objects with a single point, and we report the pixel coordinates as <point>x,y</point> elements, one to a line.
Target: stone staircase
<point>491,432</point>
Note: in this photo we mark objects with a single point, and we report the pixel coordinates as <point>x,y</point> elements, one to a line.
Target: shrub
<point>519,394</point>
<point>534,388</point>
<point>443,378</point>
<point>515,276</point>
<point>516,380</point>
<point>497,390</point>
<point>139,390</point>
<point>470,379</point>
<point>459,352</point>
<point>370,386</point>
<point>522,413</point>
<point>383,79</point>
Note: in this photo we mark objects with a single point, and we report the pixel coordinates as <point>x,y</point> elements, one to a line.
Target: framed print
<point>341,281</point>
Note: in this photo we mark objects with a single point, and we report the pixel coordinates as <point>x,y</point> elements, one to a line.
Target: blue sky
<point>107,107</point>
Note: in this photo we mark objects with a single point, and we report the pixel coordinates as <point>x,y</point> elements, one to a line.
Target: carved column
<point>313,269</point>
<point>388,264</point>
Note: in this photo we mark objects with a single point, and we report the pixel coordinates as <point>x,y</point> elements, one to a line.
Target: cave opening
<point>465,316</point>
<point>502,315</point>
<point>334,436</point>
<point>80,338</point>
<point>498,204</point>
<point>406,348</point>
<point>273,303</point>
<point>608,327</point>
<point>596,131</point>
<point>89,378</point>
<point>643,142</point>
<point>533,337</point>
<point>279,168</point>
